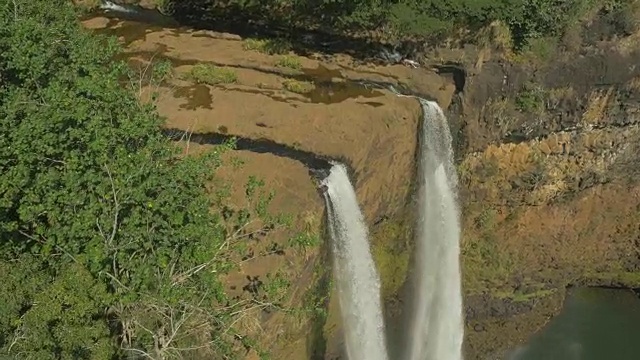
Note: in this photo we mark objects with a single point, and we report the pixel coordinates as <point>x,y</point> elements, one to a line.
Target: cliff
<point>546,153</point>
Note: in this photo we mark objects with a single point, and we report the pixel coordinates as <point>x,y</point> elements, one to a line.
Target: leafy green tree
<point>107,241</point>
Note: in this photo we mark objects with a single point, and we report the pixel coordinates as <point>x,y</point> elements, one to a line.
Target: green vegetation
<point>485,264</point>
<point>212,75</point>
<point>290,62</point>
<point>519,296</point>
<point>299,87</point>
<point>531,98</point>
<point>526,20</point>
<point>268,46</point>
<point>112,244</point>
<point>391,254</point>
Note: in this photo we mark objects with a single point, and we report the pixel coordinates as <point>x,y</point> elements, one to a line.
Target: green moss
<point>542,49</point>
<point>627,278</point>
<point>518,296</point>
<point>316,307</point>
<point>391,254</point>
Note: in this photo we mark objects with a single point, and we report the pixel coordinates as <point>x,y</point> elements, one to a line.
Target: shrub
<point>268,46</point>
<point>212,75</point>
<point>290,62</point>
<point>300,87</point>
<point>530,99</point>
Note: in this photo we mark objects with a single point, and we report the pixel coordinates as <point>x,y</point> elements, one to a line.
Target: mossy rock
<point>391,253</point>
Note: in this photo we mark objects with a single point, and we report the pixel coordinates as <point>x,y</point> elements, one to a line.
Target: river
<point>595,324</point>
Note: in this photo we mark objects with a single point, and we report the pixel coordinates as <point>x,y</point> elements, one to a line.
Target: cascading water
<point>109,6</point>
<point>357,280</point>
<point>435,319</point>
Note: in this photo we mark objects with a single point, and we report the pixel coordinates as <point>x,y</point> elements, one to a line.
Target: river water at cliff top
<point>595,324</point>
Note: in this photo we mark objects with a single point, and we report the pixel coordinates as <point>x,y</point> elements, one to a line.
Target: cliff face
<point>547,155</point>
<point>549,168</point>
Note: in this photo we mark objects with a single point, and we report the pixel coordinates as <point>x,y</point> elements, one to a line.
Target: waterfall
<point>435,330</point>
<point>357,280</point>
<point>110,6</point>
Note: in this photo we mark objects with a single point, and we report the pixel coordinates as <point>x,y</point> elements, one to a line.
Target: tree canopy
<point>108,244</point>
<point>399,19</point>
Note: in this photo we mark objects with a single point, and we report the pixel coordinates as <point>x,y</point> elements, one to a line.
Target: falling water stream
<point>435,325</point>
<point>434,328</point>
<point>435,322</point>
<point>357,280</point>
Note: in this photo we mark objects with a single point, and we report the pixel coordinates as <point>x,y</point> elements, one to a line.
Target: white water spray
<point>110,6</point>
<point>435,319</point>
<point>357,280</point>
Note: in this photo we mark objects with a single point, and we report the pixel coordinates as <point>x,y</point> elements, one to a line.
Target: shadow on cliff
<point>318,165</point>
<point>320,294</point>
<point>255,22</point>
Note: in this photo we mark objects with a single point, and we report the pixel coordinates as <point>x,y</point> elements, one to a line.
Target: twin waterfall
<point>357,281</point>
<point>436,324</point>
<point>434,329</point>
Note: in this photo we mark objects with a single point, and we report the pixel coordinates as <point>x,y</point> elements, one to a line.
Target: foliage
<point>268,46</point>
<point>407,19</point>
<point>531,98</point>
<point>212,75</point>
<point>299,87</point>
<point>109,247</point>
<point>289,61</point>
<point>485,264</point>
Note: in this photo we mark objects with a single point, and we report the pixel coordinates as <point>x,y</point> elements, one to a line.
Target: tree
<point>107,243</point>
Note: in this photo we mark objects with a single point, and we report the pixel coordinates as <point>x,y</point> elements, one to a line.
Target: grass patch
<point>597,105</point>
<point>542,49</point>
<point>314,310</point>
<point>497,35</point>
<point>299,87</point>
<point>290,62</point>
<point>630,279</point>
<point>267,46</point>
<point>523,297</point>
<point>633,84</point>
<point>557,96</point>
<point>212,75</point>
<point>486,266</point>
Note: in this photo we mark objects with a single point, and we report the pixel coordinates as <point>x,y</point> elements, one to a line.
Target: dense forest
<point>112,244</point>
<point>421,20</point>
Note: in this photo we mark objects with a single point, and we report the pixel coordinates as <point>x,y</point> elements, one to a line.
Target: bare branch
<point>116,207</point>
<point>140,352</point>
<point>272,252</point>
<point>17,335</point>
<point>44,241</point>
<point>15,11</point>
<point>116,280</point>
